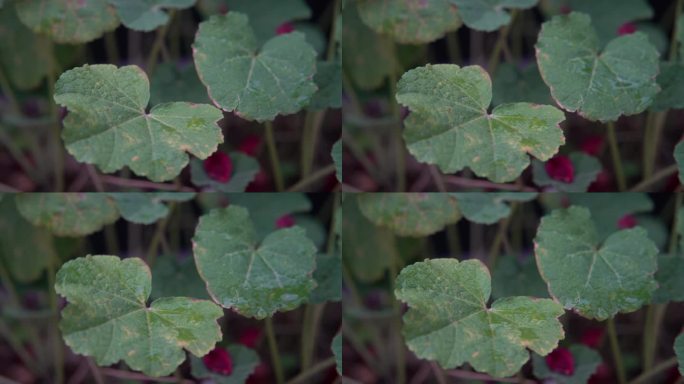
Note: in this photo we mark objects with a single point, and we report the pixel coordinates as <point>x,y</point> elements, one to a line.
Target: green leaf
<point>173,277</point>
<point>367,250</point>
<point>586,361</point>
<point>449,125</point>
<point>245,361</point>
<point>337,352</point>
<point>670,277</point>
<point>263,82</point>
<point>25,250</point>
<point>328,79</point>
<point>448,319</point>
<point>146,208</point>
<point>367,58</point>
<point>265,210</point>
<point>24,59</point>
<point>607,19</point>
<point>410,214</point>
<point>108,126</point>
<point>255,279</point>
<point>68,21</point>
<point>68,214</point>
<point>597,84</point>
<point>679,351</point>
<point>608,208</point>
<point>679,158</point>
<point>489,208</point>
<point>266,15</point>
<point>513,277</point>
<point>587,169</point>
<point>245,168</point>
<point>596,280</point>
<point>328,277</point>
<point>172,83</point>
<point>512,85</point>
<point>107,316</point>
<point>410,21</point>
<point>488,15</point>
<point>337,159</point>
<point>671,81</point>
<point>147,15</point>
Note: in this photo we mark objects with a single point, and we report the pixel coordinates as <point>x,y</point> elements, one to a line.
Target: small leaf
<point>263,82</point>
<point>328,277</point>
<point>410,214</point>
<point>25,250</point>
<point>68,21</point>
<point>245,168</point>
<point>108,126</point>
<point>245,360</point>
<point>488,208</point>
<point>337,352</point>
<point>586,362</point>
<point>170,83</point>
<point>448,319</point>
<point>255,279</point>
<point>512,277</point>
<point>599,85</point>
<point>24,58</point>
<point>328,79</point>
<point>512,85</point>
<point>337,159</point>
<point>586,170</point>
<point>172,278</point>
<point>679,351</point>
<point>146,208</point>
<point>410,21</point>
<point>671,81</point>
<point>449,125</point>
<point>68,214</point>
<point>107,316</point>
<point>488,15</point>
<point>596,280</point>
<point>147,15</point>
<point>670,277</point>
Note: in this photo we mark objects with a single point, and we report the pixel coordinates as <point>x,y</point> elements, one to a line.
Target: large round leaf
<point>488,15</point>
<point>256,82</point>
<point>448,319</point>
<point>410,214</point>
<point>596,280</point>
<point>449,124</point>
<point>254,279</point>
<point>107,124</point>
<point>68,21</point>
<point>410,21</point>
<point>597,84</point>
<point>147,15</point>
<point>107,316</point>
<point>68,214</point>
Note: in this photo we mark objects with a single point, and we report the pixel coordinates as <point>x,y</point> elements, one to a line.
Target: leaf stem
<point>674,235</point>
<point>317,368</point>
<point>656,122</point>
<point>658,176</point>
<point>660,368</point>
<point>18,348</point>
<point>654,317</point>
<point>396,306</point>
<point>499,45</point>
<point>615,154</point>
<point>399,151</point>
<point>111,48</point>
<point>58,349</point>
<point>273,154</point>
<point>312,178</point>
<point>158,42</point>
<point>453,47</point>
<point>97,376</point>
<point>615,348</point>
<point>273,346</point>
<point>56,124</point>
<point>158,236</point>
<point>500,237</point>
<point>312,125</point>
<point>309,343</point>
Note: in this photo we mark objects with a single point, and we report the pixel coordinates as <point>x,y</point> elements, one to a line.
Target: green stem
<point>54,115</point>
<point>500,237</point>
<point>400,153</point>
<point>673,39</point>
<point>58,349</point>
<point>157,237</point>
<point>615,154</point>
<point>615,348</point>
<point>647,376</point>
<point>500,42</point>
<point>9,93</point>
<point>275,356</point>
<point>111,47</point>
<point>310,332</point>
<point>396,306</point>
<point>453,47</point>
<point>18,348</point>
<point>330,55</point>
<point>158,42</point>
<point>312,178</point>
<point>9,286</point>
<point>314,370</point>
<point>312,125</point>
<point>658,176</point>
<point>273,154</point>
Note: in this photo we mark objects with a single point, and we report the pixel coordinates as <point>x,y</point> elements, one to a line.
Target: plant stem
<point>658,176</point>
<point>310,333</point>
<point>399,151</point>
<point>615,348</point>
<point>312,125</point>
<point>452,47</point>
<point>58,349</point>
<point>461,374</point>
<point>615,154</point>
<point>54,115</point>
<point>473,183</point>
<point>143,184</point>
<point>650,374</point>
<point>500,237</point>
<point>111,47</point>
<point>7,283</point>
<point>673,40</point>
<point>439,373</point>
<point>18,348</point>
<point>396,306</point>
<point>97,376</point>
<point>500,42</point>
<point>273,346</point>
<point>273,154</point>
<point>158,235</point>
<point>312,178</point>
<point>158,42</point>
<point>9,93</point>
<point>319,367</point>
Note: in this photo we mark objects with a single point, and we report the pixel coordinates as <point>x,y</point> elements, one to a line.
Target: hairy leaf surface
<point>448,319</point>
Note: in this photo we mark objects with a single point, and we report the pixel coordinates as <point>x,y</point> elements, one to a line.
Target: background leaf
<point>586,170</point>
<point>255,279</point>
<point>146,15</point>
<point>146,208</point>
<point>24,58</point>
<point>244,360</point>
<point>265,211</point>
<point>513,84</point>
<point>245,169</point>
<point>337,352</point>
<point>607,19</point>
<point>170,83</point>
<point>586,361</point>
<point>172,277</point>
<point>608,208</point>
<point>266,15</point>
<point>671,81</point>
<point>328,79</point>
<point>328,277</point>
<point>337,159</point>
<point>596,280</point>
<point>679,351</point>
<point>448,319</point>
<point>488,208</point>
<point>670,277</point>
<point>514,277</point>
<point>107,316</point>
<point>488,15</point>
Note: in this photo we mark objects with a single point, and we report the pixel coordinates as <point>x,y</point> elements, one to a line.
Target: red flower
<point>592,145</point>
<point>249,337</point>
<point>592,337</point>
<point>565,9</point>
<point>560,360</point>
<point>219,167</point>
<point>260,183</point>
<point>627,221</point>
<point>603,374</point>
<point>219,361</point>
<point>285,28</point>
<point>626,29</point>
<point>285,221</point>
<point>250,145</point>
<point>603,183</point>
<point>560,168</point>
